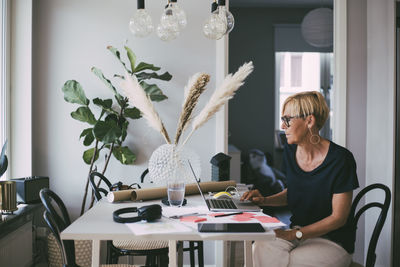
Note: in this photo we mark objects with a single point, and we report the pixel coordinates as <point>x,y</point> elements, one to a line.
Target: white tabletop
<point>97,224</point>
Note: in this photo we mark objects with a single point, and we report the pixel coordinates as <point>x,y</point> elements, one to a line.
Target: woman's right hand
<point>254,196</point>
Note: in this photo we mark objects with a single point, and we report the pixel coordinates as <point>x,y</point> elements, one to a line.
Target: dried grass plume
<point>221,96</point>
<point>194,88</point>
<point>139,99</point>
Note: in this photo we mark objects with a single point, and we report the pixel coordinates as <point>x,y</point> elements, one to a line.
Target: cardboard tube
<point>160,192</point>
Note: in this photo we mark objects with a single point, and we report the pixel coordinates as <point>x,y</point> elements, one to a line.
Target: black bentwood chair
<point>156,251</point>
<point>355,216</point>
<point>57,221</point>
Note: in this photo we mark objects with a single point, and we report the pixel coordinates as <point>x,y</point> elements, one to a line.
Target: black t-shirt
<point>309,194</point>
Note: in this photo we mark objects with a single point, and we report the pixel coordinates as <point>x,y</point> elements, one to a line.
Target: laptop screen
<point>197,182</point>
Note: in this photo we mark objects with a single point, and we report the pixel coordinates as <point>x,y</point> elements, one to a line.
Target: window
<point>4,91</point>
<point>303,71</point>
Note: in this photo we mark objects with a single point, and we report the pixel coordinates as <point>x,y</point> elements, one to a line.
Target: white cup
<point>176,193</point>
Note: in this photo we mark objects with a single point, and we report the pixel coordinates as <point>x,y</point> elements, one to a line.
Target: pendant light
<point>215,26</point>
<point>141,24</point>
<point>317,27</point>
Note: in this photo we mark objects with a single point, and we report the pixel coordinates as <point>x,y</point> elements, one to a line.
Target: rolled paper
<point>160,192</point>
<point>121,195</point>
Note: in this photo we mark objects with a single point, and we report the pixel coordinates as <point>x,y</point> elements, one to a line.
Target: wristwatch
<point>299,234</point>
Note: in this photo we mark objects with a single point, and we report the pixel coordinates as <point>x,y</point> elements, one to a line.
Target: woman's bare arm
<point>341,205</point>
<point>279,199</point>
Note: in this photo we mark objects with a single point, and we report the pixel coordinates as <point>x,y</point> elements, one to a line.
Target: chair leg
<point>191,249</point>
<point>200,253</point>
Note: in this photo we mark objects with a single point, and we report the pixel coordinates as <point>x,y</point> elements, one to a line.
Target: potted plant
<point>107,132</point>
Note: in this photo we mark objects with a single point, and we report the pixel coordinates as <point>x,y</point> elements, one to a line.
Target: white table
<point>97,225</point>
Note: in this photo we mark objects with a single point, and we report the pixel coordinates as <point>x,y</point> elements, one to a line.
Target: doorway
<point>254,111</point>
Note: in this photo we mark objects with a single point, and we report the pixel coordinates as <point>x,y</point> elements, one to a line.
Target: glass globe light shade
<point>141,24</point>
<point>166,34</point>
<point>168,29</point>
<point>214,27</point>
<point>226,15</point>
<point>180,15</point>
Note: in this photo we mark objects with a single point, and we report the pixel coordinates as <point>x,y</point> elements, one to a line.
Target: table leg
<point>172,253</point>
<point>248,254</point>
<point>95,253</point>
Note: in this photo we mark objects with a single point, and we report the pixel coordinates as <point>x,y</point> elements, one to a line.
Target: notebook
<point>225,205</point>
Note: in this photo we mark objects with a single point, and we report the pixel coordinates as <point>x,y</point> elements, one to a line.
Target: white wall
<point>69,38</point>
<point>380,114</point>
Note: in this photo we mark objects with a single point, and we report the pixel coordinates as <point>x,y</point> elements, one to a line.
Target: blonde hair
<point>307,103</point>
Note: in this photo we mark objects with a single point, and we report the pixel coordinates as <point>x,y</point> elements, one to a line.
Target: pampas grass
<point>221,96</point>
<point>195,87</point>
<point>138,98</point>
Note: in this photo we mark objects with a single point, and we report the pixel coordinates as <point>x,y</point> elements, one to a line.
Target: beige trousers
<point>313,252</point>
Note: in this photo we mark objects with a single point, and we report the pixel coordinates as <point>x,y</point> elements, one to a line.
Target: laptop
<point>226,205</point>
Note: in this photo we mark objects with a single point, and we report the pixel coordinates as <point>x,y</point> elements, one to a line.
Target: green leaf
<point>107,131</point>
<point>104,104</point>
<point>88,155</point>
<point>3,159</point>
<point>131,57</point>
<point>145,76</point>
<point>145,66</point>
<point>124,129</point>
<point>124,155</point>
<point>153,91</point>
<point>73,93</point>
<point>89,137</point>
<point>84,114</point>
<point>132,113</point>
<point>117,54</point>
<point>85,132</point>
<point>106,81</point>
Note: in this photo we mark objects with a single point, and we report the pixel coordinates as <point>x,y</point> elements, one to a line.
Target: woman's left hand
<point>288,234</point>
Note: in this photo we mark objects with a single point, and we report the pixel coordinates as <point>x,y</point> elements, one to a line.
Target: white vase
<point>171,163</point>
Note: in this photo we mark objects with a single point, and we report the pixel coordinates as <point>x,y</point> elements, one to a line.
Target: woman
<point>321,176</point>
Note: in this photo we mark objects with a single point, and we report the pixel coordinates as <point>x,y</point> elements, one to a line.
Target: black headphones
<point>149,213</point>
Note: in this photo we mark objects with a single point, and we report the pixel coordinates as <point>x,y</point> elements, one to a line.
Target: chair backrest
<point>57,219</point>
<point>97,189</point>
<point>355,216</point>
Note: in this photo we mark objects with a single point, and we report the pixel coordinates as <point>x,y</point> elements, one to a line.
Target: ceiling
<point>280,3</point>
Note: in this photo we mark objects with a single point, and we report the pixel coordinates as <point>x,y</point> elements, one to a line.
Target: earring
<point>315,138</point>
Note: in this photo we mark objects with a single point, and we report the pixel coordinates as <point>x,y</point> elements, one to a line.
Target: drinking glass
<point>176,193</point>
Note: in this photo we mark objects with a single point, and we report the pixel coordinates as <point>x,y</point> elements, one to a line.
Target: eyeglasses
<point>286,119</point>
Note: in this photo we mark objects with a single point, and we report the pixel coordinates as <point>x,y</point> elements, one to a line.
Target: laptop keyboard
<point>221,203</point>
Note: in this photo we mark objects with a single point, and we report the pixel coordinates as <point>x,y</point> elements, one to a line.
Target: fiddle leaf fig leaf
<point>117,54</point>
<point>104,104</point>
<point>106,81</point>
<point>153,91</point>
<point>84,114</point>
<point>88,155</point>
<point>145,76</point>
<point>89,137</point>
<point>145,66</point>
<point>3,159</point>
<point>132,113</point>
<point>124,130</point>
<point>73,93</point>
<point>107,131</point>
<point>124,155</point>
<point>131,57</point>
<point>85,132</point>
